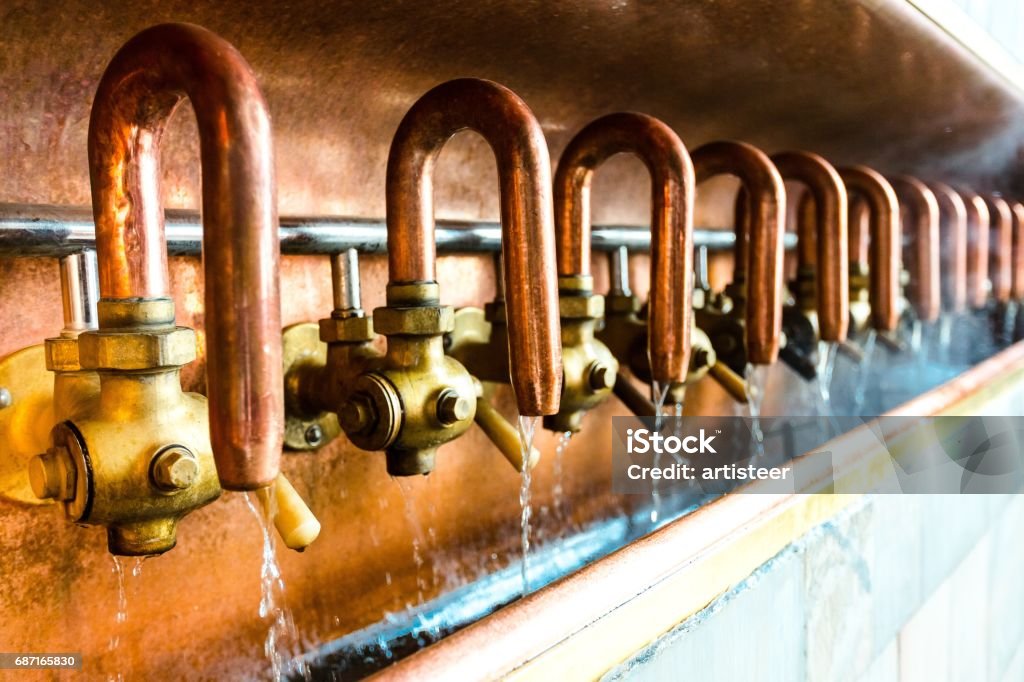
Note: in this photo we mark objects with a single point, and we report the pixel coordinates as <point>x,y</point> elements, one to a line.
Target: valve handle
<point>632,398</point>
<point>503,435</point>
<point>732,382</point>
<point>294,521</point>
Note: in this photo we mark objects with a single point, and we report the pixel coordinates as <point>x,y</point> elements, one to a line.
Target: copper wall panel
<point>338,77</point>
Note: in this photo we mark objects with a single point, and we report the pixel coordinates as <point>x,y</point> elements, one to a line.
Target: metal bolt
<point>5,398</point>
<point>452,408</point>
<point>601,377</point>
<point>314,435</point>
<point>174,468</point>
<point>52,475</point>
<point>355,416</point>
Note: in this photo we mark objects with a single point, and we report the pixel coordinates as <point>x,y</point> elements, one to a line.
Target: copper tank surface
<point>338,78</point>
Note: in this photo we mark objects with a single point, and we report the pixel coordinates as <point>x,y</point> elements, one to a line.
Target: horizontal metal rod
<point>39,230</point>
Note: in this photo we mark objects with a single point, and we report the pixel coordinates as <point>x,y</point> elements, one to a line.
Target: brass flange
<point>302,350</point>
<point>25,420</point>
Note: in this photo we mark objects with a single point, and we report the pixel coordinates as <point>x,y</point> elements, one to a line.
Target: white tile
<point>837,575</point>
<point>969,616</point>
<point>924,641</point>
<point>1006,587</point>
<point>895,563</point>
<point>757,633</point>
<point>885,667</point>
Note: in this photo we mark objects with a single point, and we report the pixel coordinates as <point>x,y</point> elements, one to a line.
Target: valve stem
<point>618,272</point>
<point>345,284</point>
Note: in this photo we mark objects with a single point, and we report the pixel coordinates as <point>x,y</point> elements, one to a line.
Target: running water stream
<point>281,646</point>
<point>121,616</point>
<point>864,374</point>
<point>527,428</point>
<point>558,490</point>
<point>418,539</point>
<point>756,377</point>
<point>659,394</point>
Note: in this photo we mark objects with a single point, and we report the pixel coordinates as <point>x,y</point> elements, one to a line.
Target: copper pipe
<point>920,210</point>
<point>762,261</point>
<point>140,89</point>
<point>528,234</point>
<point>978,222</point>
<point>1000,263</point>
<point>806,232</point>
<point>672,187</point>
<point>1017,213</point>
<point>859,226</point>
<point>953,241</point>
<point>884,242</point>
<point>828,193</point>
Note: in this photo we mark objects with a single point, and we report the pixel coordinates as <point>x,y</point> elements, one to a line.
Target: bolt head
<point>174,468</point>
<point>452,407</point>
<point>601,377</point>
<point>52,475</point>
<point>5,398</point>
<point>355,416</point>
<point>314,435</point>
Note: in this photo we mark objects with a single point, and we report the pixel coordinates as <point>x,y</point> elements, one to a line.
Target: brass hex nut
<point>349,330</point>
<point>62,354</point>
<point>619,304</point>
<point>137,349</point>
<point>418,321</point>
<point>581,307</point>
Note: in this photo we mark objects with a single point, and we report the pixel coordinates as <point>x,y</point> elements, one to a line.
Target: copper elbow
<point>830,259</point>
<point>672,187</point>
<point>140,89</point>
<point>953,249</point>
<point>884,242</point>
<point>1017,213</point>
<point>859,226</point>
<point>978,223</point>
<point>528,235</point>
<point>759,234</point>
<point>1000,263</point>
<point>920,212</point>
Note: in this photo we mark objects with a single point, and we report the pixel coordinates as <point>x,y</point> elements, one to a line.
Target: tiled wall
<point>901,587</point>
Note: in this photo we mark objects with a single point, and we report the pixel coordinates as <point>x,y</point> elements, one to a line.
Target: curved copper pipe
<point>953,240</point>
<point>762,262</point>
<point>1017,213</point>
<point>672,188</point>
<point>978,221</point>
<point>884,242</point>
<point>859,226</point>
<point>528,234</point>
<point>921,256</point>
<point>1000,263</point>
<point>826,190</point>
<point>140,89</point>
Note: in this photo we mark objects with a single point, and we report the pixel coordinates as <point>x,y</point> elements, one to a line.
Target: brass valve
<point>415,398</point>
<point>589,368</point>
<point>135,453</point>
